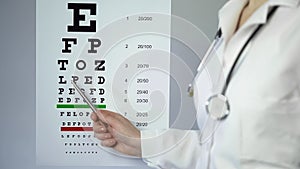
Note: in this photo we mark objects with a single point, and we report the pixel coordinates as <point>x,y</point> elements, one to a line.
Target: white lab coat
<point>263,128</point>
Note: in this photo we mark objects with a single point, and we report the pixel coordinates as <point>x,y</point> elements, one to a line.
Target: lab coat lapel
<point>238,40</point>
<point>229,16</point>
<point>260,16</point>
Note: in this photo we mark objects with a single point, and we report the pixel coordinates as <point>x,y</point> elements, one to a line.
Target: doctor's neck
<point>254,4</point>
<point>248,10</point>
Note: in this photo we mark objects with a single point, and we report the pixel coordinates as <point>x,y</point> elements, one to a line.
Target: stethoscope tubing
<point>222,96</point>
<point>230,74</point>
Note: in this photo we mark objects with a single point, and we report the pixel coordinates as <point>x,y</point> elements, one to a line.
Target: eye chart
<point>118,52</point>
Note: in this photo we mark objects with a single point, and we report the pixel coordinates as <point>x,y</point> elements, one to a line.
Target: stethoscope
<point>217,106</point>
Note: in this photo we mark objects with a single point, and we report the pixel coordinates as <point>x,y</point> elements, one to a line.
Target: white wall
<point>202,13</point>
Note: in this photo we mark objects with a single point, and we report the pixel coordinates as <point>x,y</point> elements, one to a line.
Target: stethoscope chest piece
<point>217,107</point>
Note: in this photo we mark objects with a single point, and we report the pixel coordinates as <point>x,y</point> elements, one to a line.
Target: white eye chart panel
<point>118,52</point>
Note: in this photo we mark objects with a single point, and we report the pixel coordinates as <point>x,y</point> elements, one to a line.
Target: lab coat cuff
<point>149,140</point>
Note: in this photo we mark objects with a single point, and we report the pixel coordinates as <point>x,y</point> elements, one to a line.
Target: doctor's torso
<point>264,92</point>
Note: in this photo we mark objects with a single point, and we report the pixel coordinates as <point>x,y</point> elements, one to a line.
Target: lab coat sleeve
<point>170,148</point>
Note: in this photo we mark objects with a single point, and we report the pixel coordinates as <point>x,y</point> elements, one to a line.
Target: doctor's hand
<point>119,134</point>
